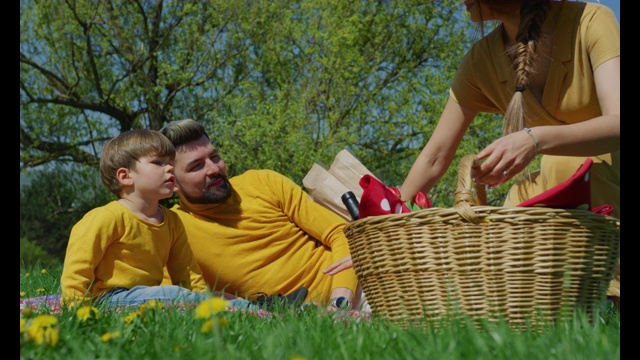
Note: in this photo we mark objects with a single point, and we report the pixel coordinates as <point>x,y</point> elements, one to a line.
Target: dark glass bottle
<point>350,200</point>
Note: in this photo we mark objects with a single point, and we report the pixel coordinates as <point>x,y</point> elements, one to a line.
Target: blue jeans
<point>139,295</point>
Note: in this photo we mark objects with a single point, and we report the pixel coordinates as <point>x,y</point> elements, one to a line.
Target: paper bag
<point>326,186</point>
<point>349,170</point>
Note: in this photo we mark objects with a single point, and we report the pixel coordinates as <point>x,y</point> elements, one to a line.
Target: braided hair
<point>522,55</point>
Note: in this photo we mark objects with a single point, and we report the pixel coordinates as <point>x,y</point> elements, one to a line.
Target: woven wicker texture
<point>524,265</point>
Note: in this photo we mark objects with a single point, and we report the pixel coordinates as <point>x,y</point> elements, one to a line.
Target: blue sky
<point>614,5</point>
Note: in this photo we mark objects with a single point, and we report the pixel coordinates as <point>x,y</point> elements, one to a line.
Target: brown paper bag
<point>348,170</point>
<point>326,186</point>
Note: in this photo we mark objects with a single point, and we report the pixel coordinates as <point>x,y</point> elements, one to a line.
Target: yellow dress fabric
<point>268,237</point>
<point>112,247</point>
<point>586,35</point>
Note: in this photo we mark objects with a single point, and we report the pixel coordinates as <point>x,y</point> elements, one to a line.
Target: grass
<point>174,332</point>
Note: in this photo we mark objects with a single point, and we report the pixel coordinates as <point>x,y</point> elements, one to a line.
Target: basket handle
<point>464,197</point>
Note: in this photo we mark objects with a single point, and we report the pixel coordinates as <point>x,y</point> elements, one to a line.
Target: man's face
<point>201,174</point>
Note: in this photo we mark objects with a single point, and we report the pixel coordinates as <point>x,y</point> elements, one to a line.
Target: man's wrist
<point>340,302</point>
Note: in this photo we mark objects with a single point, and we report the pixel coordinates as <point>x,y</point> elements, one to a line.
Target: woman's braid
<point>522,55</point>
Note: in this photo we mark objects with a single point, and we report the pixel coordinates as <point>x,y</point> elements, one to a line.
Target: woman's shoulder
<point>588,11</point>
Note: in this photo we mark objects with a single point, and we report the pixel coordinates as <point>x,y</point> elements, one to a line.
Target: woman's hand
<point>505,157</point>
<point>336,267</point>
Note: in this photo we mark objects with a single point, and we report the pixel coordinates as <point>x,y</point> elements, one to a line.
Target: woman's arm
<point>438,153</point>
<point>600,135</point>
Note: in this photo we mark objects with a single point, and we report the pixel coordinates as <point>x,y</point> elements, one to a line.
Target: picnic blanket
<point>51,304</point>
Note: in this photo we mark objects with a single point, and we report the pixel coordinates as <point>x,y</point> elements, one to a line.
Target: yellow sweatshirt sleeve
<point>181,268</point>
<point>88,241</point>
<point>320,223</point>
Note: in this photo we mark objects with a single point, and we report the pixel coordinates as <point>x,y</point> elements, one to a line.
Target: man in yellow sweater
<point>257,232</point>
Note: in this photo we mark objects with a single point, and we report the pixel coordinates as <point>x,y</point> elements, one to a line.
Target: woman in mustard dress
<point>552,69</point>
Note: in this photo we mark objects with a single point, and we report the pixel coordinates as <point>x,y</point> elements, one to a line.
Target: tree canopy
<point>277,84</point>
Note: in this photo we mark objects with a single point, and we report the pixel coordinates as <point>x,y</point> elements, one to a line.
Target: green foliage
<point>41,277</point>
<point>53,201</point>
<point>31,255</point>
<point>278,85</point>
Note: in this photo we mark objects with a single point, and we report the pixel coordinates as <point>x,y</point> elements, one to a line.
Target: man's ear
<point>122,174</point>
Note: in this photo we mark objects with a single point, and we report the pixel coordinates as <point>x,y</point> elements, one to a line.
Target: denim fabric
<point>139,295</point>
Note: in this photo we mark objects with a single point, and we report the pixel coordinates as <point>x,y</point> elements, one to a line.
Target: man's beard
<point>215,195</point>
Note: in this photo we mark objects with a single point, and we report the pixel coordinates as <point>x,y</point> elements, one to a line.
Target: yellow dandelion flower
<point>108,336</point>
<point>155,304</point>
<point>44,320</point>
<point>129,318</point>
<point>23,325</point>
<point>23,293</point>
<point>27,274</point>
<point>87,312</point>
<point>151,304</point>
<point>40,290</point>
<point>207,326</point>
<point>211,306</point>
<point>43,329</point>
<point>43,271</point>
<point>27,311</point>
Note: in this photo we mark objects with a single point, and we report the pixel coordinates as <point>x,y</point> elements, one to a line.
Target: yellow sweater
<point>586,35</point>
<point>268,237</point>
<point>112,247</point>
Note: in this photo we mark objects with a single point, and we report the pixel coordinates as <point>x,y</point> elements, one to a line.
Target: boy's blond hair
<point>125,149</point>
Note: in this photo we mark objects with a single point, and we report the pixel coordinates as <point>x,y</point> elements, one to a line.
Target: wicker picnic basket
<point>527,266</point>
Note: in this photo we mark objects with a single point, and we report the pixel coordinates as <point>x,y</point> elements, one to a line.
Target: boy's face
<point>201,174</point>
<point>153,176</point>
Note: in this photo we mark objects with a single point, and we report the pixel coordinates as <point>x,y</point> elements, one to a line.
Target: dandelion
<point>151,304</point>
<point>154,304</point>
<point>27,274</point>
<point>43,329</point>
<point>28,311</point>
<point>40,291</point>
<point>23,325</point>
<point>108,336</point>
<point>129,318</point>
<point>23,293</point>
<point>43,271</point>
<point>206,327</point>
<point>211,306</point>
<point>297,358</point>
<point>87,312</point>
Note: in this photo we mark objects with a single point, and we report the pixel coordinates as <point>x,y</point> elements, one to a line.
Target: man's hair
<point>183,131</point>
<point>125,149</point>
